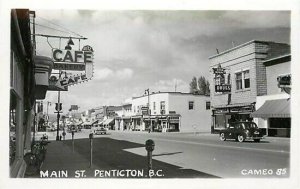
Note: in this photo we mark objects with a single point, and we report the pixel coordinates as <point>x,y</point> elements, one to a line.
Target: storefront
<point>277,115</point>
<point>223,115</point>
<point>22,88</point>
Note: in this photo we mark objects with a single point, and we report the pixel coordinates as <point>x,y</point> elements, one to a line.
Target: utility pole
<point>149,112</point>
<point>58,115</point>
<point>48,103</point>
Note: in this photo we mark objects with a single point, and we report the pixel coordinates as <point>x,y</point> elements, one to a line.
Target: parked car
<point>241,131</point>
<point>100,131</point>
<point>72,128</point>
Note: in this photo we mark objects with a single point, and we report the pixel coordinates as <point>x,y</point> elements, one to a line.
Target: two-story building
<point>171,111</point>
<point>238,77</point>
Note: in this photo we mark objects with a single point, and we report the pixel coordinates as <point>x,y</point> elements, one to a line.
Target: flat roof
<point>179,93</point>
<point>239,46</point>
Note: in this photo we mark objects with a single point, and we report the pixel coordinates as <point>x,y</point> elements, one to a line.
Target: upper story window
<point>162,107</point>
<point>191,105</point>
<point>154,107</point>
<point>207,105</point>
<point>242,80</point>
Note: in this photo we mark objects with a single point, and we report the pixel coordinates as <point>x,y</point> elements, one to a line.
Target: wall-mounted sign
<point>59,55</point>
<point>87,48</point>
<point>67,81</point>
<point>145,110</point>
<point>284,82</point>
<point>219,70</point>
<point>223,88</point>
<point>53,85</point>
<point>68,66</point>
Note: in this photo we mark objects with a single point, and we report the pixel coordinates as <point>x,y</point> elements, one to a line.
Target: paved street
<point>178,155</point>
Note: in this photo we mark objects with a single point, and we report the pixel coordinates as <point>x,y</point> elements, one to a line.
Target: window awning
<point>274,108</point>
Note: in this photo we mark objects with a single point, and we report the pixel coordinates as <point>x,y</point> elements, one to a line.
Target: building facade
<point>238,77</point>
<point>171,111</point>
<point>29,76</point>
<point>273,109</point>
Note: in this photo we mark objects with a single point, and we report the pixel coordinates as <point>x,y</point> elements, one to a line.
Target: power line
<point>50,28</point>
<point>70,31</point>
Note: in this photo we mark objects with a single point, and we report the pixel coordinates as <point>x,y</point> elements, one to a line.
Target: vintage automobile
<point>241,131</point>
<point>100,131</point>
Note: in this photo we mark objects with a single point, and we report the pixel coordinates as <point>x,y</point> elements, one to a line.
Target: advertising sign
<point>219,70</point>
<point>71,56</point>
<point>73,60</point>
<point>284,80</point>
<point>223,88</point>
<point>74,67</point>
<point>145,110</point>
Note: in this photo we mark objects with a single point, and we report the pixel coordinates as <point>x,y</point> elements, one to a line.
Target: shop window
<point>191,105</point>
<point>208,105</point>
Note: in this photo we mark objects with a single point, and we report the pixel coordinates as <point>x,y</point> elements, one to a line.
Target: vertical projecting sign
<point>221,86</point>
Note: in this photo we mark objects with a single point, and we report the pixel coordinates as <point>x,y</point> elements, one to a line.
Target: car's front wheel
<point>241,138</point>
<point>256,140</point>
<point>222,137</point>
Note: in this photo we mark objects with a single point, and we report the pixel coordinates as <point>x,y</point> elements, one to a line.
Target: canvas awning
<point>279,108</point>
<point>107,121</point>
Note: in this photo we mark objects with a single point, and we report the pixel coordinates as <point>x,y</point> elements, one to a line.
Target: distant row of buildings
<point>244,87</point>
<point>160,111</point>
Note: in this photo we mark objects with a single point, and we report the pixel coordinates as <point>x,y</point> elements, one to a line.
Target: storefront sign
<point>53,86</point>
<point>62,82</point>
<point>145,110</point>
<point>59,55</point>
<point>219,70</point>
<point>223,88</point>
<point>284,80</point>
<point>63,66</point>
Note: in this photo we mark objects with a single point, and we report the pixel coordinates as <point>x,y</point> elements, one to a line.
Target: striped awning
<point>279,108</point>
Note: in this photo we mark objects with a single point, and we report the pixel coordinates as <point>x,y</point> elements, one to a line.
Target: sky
<point>136,50</point>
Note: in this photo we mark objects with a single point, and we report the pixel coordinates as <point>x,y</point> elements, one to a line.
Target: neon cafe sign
<point>72,56</point>
<point>74,60</point>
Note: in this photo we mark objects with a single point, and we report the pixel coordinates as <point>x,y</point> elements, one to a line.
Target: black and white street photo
<point>151,95</point>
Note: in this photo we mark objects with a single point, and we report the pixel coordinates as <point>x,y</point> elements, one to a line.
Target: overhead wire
<point>70,31</point>
<point>50,28</point>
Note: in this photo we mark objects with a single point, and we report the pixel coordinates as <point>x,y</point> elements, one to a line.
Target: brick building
<point>238,76</point>
<point>273,109</point>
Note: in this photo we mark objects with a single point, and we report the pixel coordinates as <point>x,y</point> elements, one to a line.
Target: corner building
<point>171,112</point>
<point>245,73</point>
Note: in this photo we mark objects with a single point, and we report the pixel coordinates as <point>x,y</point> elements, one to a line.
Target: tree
<point>194,86</point>
<point>207,88</point>
<point>200,86</point>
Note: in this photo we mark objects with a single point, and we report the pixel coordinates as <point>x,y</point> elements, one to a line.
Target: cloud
<point>135,50</point>
<point>103,74</point>
<point>109,74</point>
<point>170,85</point>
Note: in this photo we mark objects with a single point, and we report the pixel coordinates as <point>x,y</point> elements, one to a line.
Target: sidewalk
<point>60,157</point>
<point>108,155</point>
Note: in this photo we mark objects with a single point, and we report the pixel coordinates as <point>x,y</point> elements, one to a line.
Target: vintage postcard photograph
<point>154,95</point>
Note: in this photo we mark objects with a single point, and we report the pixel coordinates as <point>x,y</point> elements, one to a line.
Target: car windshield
<point>250,125</point>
